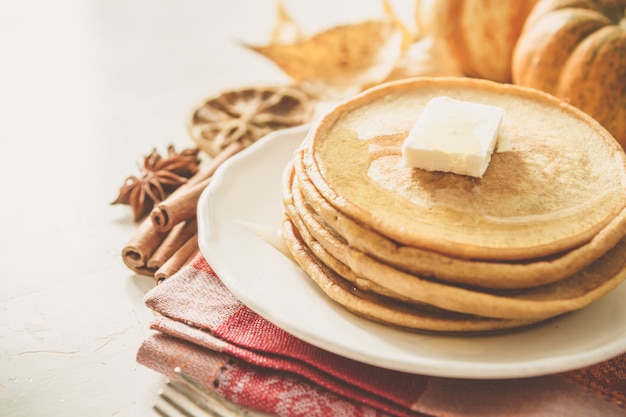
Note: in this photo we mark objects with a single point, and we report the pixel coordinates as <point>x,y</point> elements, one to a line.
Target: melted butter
<point>453,136</point>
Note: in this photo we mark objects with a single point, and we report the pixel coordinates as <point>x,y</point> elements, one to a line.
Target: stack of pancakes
<point>542,233</point>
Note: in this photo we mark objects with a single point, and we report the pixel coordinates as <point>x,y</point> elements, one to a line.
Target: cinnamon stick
<point>181,204</point>
<point>141,246</point>
<point>177,208</point>
<point>180,258</point>
<point>172,242</point>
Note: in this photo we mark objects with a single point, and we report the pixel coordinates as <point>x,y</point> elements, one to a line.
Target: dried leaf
<point>359,54</point>
<point>425,57</point>
<point>286,29</point>
<point>407,36</point>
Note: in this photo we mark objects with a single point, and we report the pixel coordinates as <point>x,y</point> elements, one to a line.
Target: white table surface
<point>87,88</point>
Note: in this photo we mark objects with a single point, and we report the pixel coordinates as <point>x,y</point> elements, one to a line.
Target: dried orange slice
<point>245,115</point>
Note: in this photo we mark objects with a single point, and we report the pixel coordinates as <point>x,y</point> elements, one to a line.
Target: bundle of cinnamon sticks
<point>167,239</point>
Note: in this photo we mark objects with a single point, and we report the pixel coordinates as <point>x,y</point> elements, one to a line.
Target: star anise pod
<point>158,178</point>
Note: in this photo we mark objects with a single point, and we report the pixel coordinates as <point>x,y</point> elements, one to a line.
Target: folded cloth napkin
<point>203,329</point>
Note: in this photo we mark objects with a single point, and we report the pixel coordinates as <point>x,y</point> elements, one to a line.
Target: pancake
<point>541,234</point>
<point>488,274</point>
<point>384,310</point>
<point>325,256</point>
<point>562,183</point>
<point>538,303</point>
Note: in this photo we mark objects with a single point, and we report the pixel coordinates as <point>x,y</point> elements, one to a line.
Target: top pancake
<point>563,181</point>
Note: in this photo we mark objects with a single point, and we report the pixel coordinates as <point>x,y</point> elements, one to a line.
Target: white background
<point>87,88</point>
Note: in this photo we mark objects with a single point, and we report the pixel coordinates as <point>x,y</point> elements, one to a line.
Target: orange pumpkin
<point>576,50</point>
<point>480,34</point>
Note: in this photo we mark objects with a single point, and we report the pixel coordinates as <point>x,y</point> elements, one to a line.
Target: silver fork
<point>188,398</point>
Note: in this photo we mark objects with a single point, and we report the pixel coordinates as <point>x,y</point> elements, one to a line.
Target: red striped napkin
<point>204,330</point>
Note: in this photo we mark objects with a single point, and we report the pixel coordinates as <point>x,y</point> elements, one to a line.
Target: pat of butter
<point>454,136</point>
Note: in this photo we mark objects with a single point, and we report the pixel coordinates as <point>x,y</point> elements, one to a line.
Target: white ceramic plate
<point>247,188</point>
